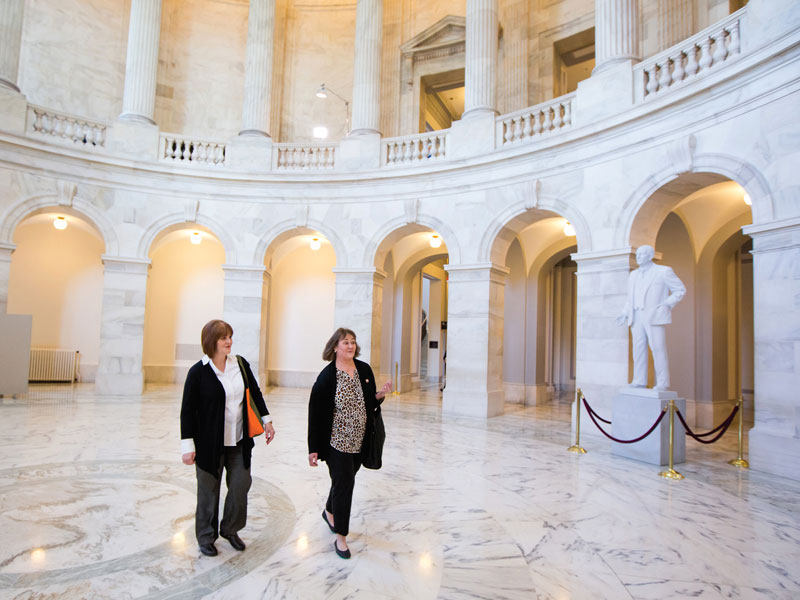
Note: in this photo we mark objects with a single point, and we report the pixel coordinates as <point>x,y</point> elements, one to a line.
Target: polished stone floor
<point>95,503</point>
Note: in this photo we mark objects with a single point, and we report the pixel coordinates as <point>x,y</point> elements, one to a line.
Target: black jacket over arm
<point>203,415</point>
<point>322,403</point>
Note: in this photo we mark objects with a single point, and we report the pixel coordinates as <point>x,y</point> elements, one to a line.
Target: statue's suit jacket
<point>663,290</point>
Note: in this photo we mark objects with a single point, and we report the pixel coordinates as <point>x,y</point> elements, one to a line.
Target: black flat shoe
<point>328,523</point>
<point>235,541</point>
<point>341,553</point>
<point>208,549</point>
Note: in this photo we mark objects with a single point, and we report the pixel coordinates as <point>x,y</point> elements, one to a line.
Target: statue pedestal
<point>633,412</point>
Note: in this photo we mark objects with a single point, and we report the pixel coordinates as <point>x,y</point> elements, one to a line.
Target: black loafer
<point>341,553</point>
<point>235,541</point>
<point>328,523</point>
<point>208,549</point>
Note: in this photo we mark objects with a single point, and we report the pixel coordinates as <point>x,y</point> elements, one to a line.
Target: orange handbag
<point>255,426</point>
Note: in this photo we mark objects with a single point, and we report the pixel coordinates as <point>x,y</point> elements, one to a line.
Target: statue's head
<point>645,254</point>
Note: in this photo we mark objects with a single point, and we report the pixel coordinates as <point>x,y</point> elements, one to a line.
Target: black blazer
<point>203,415</point>
<point>322,403</point>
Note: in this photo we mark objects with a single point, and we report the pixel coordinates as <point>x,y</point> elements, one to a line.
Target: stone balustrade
<point>690,59</point>
<point>418,148</point>
<point>292,157</point>
<point>66,128</point>
<point>542,119</point>
<point>186,150</point>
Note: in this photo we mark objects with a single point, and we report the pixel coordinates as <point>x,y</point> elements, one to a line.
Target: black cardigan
<point>203,415</point>
<point>322,403</point>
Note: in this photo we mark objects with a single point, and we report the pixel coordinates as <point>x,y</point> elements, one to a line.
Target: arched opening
<point>298,307</point>
<point>185,290</point>
<point>56,275</point>
<point>710,340</point>
<point>539,307</point>
<point>414,308</point>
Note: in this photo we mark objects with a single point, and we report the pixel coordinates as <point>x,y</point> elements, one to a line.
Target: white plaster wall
<point>301,312</point>
<point>72,55</point>
<point>514,318</point>
<point>184,291</point>
<point>57,276</point>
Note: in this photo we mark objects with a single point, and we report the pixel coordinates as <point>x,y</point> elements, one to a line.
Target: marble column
<point>119,372</point>
<point>359,298</point>
<point>5,274</point>
<point>141,67</point>
<point>601,362</point>
<point>367,67</point>
<point>675,22</point>
<point>11,12</point>
<point>258,68</point>
<point>481,58</point>
<point>242,309</point>
<point>616,32</point>
<point>774,441</point>
<point>475,340</point>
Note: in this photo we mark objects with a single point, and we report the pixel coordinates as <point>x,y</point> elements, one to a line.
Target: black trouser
<point>343,468</point>
<point>234,514</point>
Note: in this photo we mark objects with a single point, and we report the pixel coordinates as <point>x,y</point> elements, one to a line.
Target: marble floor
<point>95,503</point>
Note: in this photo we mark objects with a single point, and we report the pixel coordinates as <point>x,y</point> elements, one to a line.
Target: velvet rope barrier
<point>724,426</point>
<point>611,437</point>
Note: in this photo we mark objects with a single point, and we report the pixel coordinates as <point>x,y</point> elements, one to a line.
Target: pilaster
<point>258,69</point>
<point>242,308</point>
<point>11,12</point>
<point>358,307</point>
<point>480,75</point>
<point>367,67</point>
<point>616,33</point>
<point>6,250</point>
<point>475,340</point>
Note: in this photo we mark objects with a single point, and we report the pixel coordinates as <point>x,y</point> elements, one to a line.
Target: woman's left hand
<point>387,387</point>
<point>269,432</point>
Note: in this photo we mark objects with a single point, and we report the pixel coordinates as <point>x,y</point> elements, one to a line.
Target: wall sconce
<point>315,244</point>
<point>323,92</point>
<point>569,229</point>
<point>747,200</point>
<point>435,241</point>
<point>60,223</point>
<point>195,238</point>
<point>320,132</point>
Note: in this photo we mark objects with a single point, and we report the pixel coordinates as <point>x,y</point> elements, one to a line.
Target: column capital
<point>125,263</point>
<point>477,271</point>
<point>6,250</point>
<point>378,273</point>
<point>615,259</point>
<point>244,272</point>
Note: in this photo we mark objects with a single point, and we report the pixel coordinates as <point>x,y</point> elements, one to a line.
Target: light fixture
<point>195,238</point>
<point>315,243</point>
<point>569,229</point>
<point>323,92</point>
<point>60,223</point>
<point>435,241</point>
<point>747,199</point>
<point>320,132</point>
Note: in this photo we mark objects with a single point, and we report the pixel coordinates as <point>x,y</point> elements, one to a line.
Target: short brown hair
<point>213,331</point>
<point>338,335</point>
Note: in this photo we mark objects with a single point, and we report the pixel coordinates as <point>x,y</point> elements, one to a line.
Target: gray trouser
<point>234,514</point>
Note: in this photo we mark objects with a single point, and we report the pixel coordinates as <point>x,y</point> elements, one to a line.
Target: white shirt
<point>233,384</point>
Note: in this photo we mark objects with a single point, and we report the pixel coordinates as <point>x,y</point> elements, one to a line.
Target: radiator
<point>50,364</point>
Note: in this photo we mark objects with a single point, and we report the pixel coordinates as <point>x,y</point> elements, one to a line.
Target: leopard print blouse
<point>350,414</point>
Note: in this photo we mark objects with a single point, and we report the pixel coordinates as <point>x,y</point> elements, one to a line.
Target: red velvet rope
<point>611,437</point>
<point>724,426</point>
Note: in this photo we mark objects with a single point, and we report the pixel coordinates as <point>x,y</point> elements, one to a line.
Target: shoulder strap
<point>244,372</point>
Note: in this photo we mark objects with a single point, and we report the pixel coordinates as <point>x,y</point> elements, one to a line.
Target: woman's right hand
<point>188,458</point>
<point>312,459</point>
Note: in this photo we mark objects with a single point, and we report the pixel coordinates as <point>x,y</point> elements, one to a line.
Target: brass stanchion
<point>739,461</point>
<point>396,379</point>
<point>671,473</point>
<point>577,448</point>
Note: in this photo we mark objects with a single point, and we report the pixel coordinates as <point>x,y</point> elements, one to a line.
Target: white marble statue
<point>653,290</point>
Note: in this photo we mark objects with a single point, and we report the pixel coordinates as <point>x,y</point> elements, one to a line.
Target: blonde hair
<point>328,353</point>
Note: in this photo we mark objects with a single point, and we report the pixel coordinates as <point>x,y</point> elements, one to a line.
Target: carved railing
<point>542,119</point>
<point>186,150</point>
<point>417,148</point>
<point>66,128</point>
<point>690,59</point>
<point>298,157</point>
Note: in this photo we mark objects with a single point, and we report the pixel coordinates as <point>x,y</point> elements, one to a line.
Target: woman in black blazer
<point>214,435</point>
<point>340,412</point>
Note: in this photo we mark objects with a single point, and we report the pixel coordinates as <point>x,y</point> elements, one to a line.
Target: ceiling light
<point>320,132</point>
<point>315,243</point>
<point>60,223</point>
<point>747,199</point>
<point>322,92</point>
<point>436,241</point>
<point>196,238</point>
<point>569,229</point>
